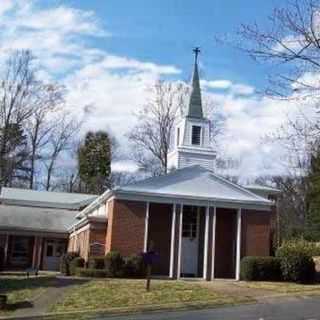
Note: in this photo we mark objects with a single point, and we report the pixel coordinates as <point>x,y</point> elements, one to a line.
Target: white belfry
<point>191,145</point>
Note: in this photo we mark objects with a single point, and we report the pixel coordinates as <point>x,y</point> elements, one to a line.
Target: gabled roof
<point>194,182</point>
<point>36,219</point>
<point>46,199</point>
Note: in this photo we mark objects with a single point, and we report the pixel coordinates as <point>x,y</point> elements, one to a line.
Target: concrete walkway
<point>42,303</point>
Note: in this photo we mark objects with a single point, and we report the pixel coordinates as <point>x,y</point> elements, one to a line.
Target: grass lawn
<point>21,290</point>
<point>117,294</point>
<point>283,287</point>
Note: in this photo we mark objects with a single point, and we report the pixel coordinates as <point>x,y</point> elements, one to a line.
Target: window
<point>196,135</point>
<point>189,225</point>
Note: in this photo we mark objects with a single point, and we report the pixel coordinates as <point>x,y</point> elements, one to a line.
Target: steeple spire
<point>195,104</point>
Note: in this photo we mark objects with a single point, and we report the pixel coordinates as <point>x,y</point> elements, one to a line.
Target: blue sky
<point>109,53</point>
<point>165,31</point>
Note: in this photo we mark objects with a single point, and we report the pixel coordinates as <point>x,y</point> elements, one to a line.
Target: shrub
<point>65,262</point>
<point>92,273</point>
<point>134,267</point>
<point>96,262</point>
<point>296,262</point>
<point>114,264</point>
<point>302,246</point>
<point>260,269</point>
<point>77,262</point>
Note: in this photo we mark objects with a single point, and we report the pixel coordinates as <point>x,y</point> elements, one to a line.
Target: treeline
<point>39,137</point>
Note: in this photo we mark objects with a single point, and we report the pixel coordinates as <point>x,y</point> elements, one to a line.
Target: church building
<point>199,223</point>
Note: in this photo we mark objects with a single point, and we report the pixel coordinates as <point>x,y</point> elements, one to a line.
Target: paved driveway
<point>286,309</point>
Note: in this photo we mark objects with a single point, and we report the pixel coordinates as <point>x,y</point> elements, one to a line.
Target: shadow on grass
<point>18,305</point>
<point>20,289</point>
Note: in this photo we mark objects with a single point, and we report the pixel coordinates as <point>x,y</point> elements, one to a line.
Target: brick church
<point>200,224</point>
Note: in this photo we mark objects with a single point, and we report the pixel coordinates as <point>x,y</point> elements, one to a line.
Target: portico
<point>204,241</point>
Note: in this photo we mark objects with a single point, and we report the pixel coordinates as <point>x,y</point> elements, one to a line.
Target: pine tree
<point>94,161</point>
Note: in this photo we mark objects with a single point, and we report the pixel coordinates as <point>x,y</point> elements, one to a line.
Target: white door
<point>52,254</point>
<point>190,242</point>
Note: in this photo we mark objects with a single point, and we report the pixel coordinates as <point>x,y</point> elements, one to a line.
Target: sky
<point>107,54</point>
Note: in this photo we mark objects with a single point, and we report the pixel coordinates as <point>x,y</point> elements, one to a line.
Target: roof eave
<point>174,198</point>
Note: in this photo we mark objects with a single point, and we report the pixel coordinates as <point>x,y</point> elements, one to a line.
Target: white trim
<point>146,227</point>
<point>238,244</point>
<point>206,237</point>
<point>180,240</point>
<point>173,229</point>
<point>190,200</point>
<point>213,244</point>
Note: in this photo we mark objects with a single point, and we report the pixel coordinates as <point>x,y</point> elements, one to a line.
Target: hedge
<point>134,267</point>
<point>75,263</point>
<point>260,269</point>
<point>91,273</point>
<point>65,262</point>
<point>296,263</point>
<point>114,264</point>
<point>311,249</point>
<point>96,262</point>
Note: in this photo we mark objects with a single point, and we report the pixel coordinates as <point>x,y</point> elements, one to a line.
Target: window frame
<point>200,134</point>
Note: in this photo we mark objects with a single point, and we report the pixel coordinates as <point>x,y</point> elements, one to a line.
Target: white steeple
<point>191,145</point>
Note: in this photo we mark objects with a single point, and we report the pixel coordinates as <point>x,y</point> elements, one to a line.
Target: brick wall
<point>125,232</point>
<point>97,241</point>
<point>225,242</point>
<point>255,233</point>
<point>159,232</point>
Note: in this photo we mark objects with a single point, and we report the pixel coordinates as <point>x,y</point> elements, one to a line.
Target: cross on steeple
<point>196,52</point>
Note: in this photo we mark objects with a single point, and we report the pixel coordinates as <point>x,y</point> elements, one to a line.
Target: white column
<point>180,240</point>
<point>173,230</point>
<point>238,244</point>
<point>213,245</point>
<point>146,226</point>
<point>206,237</point>
<point>6,250</point>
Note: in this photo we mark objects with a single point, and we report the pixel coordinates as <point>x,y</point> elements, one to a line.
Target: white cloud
<point>217,84</point>
<point>106,89</point>
<point>233,88</point>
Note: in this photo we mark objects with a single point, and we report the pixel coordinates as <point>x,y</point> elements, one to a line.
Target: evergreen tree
<point>94,161</point>
<point>312,230</point>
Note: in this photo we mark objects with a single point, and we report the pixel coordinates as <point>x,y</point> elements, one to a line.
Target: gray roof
<point>194,182</point>
<point>195,104</point>
<point>36,219</point>
<point>262,188</point>
<point>48,199</point>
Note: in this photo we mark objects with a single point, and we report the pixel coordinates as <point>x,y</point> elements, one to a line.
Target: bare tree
<point>60,140</point>
<point>40,125</point>
<point>17,91</point>
<point>292,42</point>
<point>151,135</point>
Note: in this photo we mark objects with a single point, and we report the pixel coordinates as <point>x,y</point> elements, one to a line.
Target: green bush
<point>311,249</point>
<point>134,267</point>
<point>96,262</point>
<point>91,273</point>
<point>296,262</point>
<point>75,263</point>
<point>114,264</point>
<point>260,269</point>
<point>65,262</point>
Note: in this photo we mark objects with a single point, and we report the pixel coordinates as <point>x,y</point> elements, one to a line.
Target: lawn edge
<point>111,312</point>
